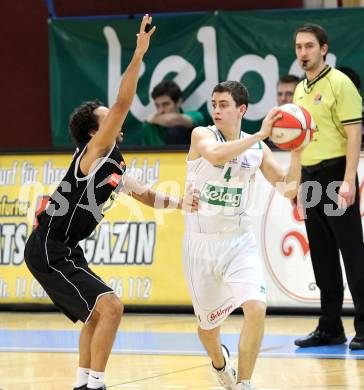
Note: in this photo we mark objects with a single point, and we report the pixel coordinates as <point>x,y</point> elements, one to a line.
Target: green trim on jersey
<point>221,135</point>
<point>333,101</point>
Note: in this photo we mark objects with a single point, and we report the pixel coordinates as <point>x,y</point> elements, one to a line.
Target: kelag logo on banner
<point>88,58</point>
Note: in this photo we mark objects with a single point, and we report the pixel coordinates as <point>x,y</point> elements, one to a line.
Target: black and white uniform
<point>52,252</point>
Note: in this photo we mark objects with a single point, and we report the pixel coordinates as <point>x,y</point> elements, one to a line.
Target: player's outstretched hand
<point>143,37</point>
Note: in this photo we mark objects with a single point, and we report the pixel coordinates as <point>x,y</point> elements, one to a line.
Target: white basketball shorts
<point>223,270</point>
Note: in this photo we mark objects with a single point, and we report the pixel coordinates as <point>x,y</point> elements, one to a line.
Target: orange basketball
<point>294,129</point>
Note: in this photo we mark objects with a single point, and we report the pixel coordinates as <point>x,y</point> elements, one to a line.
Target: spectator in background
<point>285,91</point>
<point>169,125</point>
<point>355,78</point>
<point>285,88</point>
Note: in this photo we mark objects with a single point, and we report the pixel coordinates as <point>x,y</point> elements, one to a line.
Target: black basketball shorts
<point>64,274</point>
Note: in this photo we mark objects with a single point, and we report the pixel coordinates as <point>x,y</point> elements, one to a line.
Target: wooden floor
<point>158,371</point>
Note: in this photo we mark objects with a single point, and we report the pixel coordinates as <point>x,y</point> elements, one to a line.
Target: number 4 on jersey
<point>227,175</point>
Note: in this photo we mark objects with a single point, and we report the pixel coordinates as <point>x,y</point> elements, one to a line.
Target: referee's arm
<point>347,189</point>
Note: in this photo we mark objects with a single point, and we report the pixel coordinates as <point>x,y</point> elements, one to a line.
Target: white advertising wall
<point>137,250</point>
<point>282,239</point>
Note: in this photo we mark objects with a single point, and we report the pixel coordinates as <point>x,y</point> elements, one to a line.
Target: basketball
<point>294,129</point>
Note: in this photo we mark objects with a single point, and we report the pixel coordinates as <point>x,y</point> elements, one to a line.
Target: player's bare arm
<point>203,142</point>
<point>110,126</point>
<point>158,200</point>
<point>286,182</point>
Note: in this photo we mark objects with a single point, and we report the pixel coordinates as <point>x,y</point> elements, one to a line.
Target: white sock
<point>95,379</point>
<point>82,376</point>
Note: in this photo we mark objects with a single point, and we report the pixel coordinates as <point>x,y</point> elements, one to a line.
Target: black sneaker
<point>100,388</point>
<point>319,338</point>
<point>357,342</point>
<point>84,387</point>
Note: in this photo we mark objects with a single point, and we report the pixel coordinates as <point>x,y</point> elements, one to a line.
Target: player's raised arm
<point>110,122</point>
<point>110,127</point>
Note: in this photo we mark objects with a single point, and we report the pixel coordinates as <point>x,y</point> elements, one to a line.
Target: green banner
<point>89,56</point>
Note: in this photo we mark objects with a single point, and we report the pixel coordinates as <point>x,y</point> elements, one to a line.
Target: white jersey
<point>224,189</point>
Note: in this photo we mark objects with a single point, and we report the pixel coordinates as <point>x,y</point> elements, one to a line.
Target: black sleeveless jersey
<point>75,208</point>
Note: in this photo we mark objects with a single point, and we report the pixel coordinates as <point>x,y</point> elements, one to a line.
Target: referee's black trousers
<point>327,235</point>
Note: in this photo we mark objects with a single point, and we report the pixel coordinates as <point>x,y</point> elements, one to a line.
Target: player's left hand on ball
<point>267,124</point>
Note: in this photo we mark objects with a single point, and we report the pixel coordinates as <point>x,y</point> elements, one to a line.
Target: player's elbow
<point>219,157</point>
<point>288,190</point>
<point>213,157</point>
<point>290,194</point>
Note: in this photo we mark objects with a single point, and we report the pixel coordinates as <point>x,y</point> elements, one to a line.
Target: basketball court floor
<point>159,352</point>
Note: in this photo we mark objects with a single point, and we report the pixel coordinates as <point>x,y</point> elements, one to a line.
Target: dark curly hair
<point>83,120</point>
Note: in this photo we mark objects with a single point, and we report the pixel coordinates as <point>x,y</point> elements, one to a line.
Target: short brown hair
<point>288,79</point>
<point>318,31</point>
<point>237,90</point>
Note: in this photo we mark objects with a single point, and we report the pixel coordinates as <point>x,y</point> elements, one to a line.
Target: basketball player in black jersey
<point>52,253</point>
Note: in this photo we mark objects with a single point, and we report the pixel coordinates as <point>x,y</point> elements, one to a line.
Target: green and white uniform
<point>221,260</point>
<point>224,190</point>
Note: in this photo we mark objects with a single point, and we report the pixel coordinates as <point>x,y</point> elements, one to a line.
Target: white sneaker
<point>245,385</point>
<point>226,376</point>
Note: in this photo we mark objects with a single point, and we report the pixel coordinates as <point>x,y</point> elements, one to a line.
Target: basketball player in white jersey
<point>221,260</point>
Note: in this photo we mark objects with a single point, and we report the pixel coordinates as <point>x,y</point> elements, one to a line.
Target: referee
<point>333,220</point>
